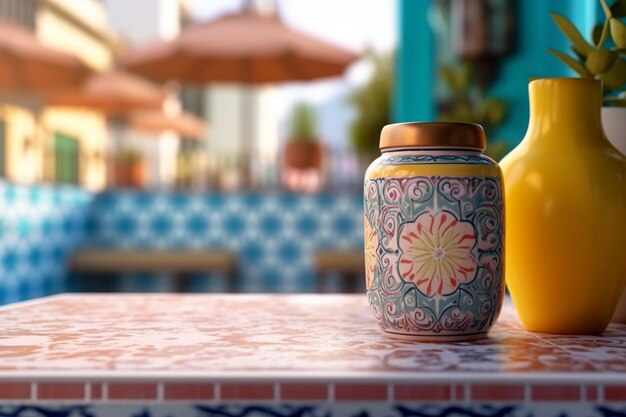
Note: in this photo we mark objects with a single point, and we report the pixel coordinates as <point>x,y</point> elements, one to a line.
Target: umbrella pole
<point>41,140</point>
<point>247,131</point>
<point>116,127</point>
<point>247,122</point>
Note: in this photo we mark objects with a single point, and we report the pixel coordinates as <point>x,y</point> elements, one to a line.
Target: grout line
<point>582,392</point>
<point>544,339</point>
<point>331,392</point>
<point>390,392</point>
<point>542,377</point>
<point>218,391</point>
<point>276,392</point>
<point>105,391</point>
<point>33,391</point>
<point>87,391</point>
<point>600,394</point>
<point>527,393</point>
<point>160,391</point>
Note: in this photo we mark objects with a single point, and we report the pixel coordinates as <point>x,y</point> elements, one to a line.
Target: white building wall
<point>143,21</point>
<point>222,113</point>
<point>91,11</point>
<point>226,115</point>
<point>267,140</point>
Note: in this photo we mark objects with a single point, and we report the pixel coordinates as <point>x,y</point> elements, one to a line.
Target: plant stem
<point>605,32</point>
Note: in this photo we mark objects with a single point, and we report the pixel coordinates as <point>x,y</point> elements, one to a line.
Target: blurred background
<point>220,145</point>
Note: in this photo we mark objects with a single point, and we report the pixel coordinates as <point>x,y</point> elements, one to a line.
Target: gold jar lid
<point>433,135</point>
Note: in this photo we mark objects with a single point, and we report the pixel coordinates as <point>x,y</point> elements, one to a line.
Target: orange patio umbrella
<point>113,92</point>
<point>244,47</point>
<point>153,121</point>
<point>28,66</point>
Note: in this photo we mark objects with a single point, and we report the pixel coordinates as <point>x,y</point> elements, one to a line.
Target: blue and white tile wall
<point>39,227</point>
<point>273,235</point>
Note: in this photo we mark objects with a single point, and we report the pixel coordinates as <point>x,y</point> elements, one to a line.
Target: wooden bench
<point>350,265</point>
<point>178,264</point>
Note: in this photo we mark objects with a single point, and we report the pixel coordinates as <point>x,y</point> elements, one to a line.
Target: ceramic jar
<point>566,200</point>
<point>614,124</point>
<point>434,233</point>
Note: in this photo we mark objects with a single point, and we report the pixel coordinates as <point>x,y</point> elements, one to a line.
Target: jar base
<point>436,338</point>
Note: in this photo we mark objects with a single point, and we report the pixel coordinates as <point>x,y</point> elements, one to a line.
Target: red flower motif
<point>437,253</point>
<point>371,245</point>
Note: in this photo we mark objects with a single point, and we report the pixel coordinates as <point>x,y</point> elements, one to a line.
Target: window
<point>66,157</point>
<point>3,153</point>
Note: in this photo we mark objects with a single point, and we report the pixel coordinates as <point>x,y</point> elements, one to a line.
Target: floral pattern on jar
<point>371,244</point>
<point>438,249</point>
<point>436,253</point>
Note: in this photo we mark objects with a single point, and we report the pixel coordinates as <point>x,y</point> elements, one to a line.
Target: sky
<point>354,24</point>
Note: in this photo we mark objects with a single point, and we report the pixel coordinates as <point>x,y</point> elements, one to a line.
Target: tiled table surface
<point>273,348</point>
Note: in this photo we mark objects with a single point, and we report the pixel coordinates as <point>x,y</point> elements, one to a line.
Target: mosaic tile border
<point>315,410</point>
<point>285,391</point>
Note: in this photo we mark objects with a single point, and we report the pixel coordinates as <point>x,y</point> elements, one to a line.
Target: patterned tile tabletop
<point>94,346</point>
<point>269,335</point>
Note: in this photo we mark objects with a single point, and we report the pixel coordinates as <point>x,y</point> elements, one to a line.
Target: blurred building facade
<point>57,144</point>
<point>219,156</point>
<point>225,111</point>
<point>160,20</point>
<point>529,58</point>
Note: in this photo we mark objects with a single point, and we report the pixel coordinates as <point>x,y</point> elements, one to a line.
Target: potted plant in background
<point>469,103</point>
<point>304,154</point>
<point>130,169</point>
<point>604,58</point>
<point>373,108</point>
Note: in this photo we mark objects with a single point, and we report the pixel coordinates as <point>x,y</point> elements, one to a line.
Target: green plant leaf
<point>600,60</point>
<point>604,33</point>
<point>577,55</point>
<point>303,123</point>
<point>457,79</point>
<point>596,34</point>
<point>447,75</point>
<point>572,33</point>
<point>497,148</point>
<point>572,63</point>
<point>445,117</point>
<point>615,77</point>
<point>372,104</point>
<point>605,8</point>
<point>618,33</point>
<point>493,111</point>
<point>462,112</point>
<point>465,75</point>
<point>618,9</point>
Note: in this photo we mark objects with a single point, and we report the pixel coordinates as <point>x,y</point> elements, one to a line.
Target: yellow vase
<point>566,212</point>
